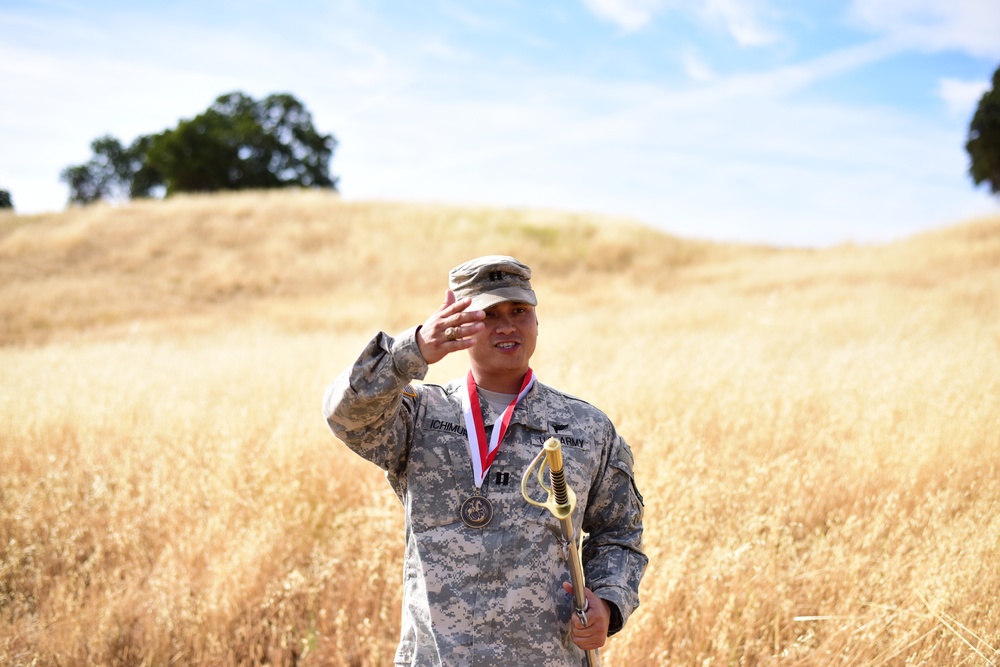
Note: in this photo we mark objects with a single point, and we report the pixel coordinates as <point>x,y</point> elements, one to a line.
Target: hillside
<point>815,431</point>
<point>152,261</point>
<point>99,267</point>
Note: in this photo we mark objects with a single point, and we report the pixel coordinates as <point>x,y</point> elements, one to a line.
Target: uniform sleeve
<point>612,552</point>
<point>370,406</point>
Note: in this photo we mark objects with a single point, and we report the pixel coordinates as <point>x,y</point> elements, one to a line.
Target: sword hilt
<point>560,500</point>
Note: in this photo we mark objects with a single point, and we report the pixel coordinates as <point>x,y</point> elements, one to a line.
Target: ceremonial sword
<point>561,502</point>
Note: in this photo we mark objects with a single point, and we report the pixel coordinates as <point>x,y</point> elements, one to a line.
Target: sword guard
<point>551,450</point>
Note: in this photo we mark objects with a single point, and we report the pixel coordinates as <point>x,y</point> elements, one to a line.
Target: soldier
<point>485,577</point>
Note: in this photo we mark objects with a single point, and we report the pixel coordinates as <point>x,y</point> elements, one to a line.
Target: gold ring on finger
<point>451,333</point>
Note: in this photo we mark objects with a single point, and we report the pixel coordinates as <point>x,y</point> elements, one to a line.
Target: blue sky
<point>789,123</point>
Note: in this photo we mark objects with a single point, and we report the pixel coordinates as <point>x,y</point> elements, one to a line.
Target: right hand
<point>432,336</point>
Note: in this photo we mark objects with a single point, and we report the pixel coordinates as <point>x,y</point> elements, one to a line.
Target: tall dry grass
<point>815,431</point>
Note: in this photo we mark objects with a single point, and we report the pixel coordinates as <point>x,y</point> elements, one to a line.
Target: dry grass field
<point>817,432</point>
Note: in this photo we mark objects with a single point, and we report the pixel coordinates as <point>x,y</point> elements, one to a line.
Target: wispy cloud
<point>743,19</point>
<point>961,97</point>
<point>630,15</point>
<point>696,67</point>
<point>738,157</point>
<point>972,26</point>
<point>785,79</point>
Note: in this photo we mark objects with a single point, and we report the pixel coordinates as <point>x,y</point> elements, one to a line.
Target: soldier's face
<point>504,347</point>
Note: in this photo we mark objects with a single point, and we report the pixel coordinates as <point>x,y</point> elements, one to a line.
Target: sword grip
<point>557,476</point>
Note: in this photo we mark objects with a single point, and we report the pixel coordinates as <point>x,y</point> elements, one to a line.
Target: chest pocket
<point>434,480</point>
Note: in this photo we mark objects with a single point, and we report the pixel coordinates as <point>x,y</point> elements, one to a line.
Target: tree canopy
<point>115,172</point>
<point>5,200</point>
<point>238,143</point>
<point>983,143</point>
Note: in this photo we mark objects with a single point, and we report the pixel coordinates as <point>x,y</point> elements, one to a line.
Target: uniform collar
<point>540,407</point>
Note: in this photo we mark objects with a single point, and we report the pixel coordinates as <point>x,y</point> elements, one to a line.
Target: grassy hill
<point>154,261</point>
<point>815,430</point>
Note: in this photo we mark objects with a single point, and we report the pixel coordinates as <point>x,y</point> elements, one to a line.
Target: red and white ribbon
<point>483,453</point>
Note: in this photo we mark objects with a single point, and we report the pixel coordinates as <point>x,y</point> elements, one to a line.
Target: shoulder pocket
<point>624,462</point>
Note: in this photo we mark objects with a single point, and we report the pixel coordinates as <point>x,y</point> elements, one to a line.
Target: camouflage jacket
<point>493,595</point>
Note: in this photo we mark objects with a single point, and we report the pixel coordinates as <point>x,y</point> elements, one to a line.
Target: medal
<point>477,511</point>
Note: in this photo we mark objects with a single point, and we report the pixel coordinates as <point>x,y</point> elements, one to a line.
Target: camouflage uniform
<point>489,596</point>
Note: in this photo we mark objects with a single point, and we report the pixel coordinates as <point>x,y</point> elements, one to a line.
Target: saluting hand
<point>449,328</point>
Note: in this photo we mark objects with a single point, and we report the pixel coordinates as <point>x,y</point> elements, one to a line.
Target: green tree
<point>114,173</point>
<point>5,201</point>
<point>983,143</point>
<point>238,143</point>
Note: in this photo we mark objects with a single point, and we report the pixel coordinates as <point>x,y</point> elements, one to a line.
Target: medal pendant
<point>476,512</point>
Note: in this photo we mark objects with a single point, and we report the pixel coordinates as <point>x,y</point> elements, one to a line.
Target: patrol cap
<point>491,280</point>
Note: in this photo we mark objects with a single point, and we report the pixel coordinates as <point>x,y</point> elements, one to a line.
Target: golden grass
<point>816,432</point>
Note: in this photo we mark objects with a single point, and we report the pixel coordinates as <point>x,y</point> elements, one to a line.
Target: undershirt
<point>497,401</point>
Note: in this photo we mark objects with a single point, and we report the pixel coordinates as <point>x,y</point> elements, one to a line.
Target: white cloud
<point>630,15</point>
<point>786,79</point>
<point>739,158</point>
<point>961,97</point>
<point>742,19</point>
<point>972,26</point>
<point>696,68</point>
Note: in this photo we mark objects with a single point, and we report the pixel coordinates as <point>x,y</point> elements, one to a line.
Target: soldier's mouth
<point>507,345</point>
